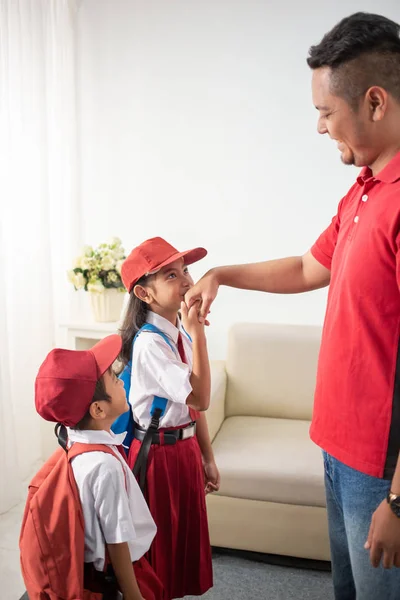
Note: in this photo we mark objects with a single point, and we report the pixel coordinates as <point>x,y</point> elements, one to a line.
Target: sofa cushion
<point>269,459</point>
<point>271,370</point>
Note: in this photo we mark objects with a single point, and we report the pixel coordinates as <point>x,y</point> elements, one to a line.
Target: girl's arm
<point>211,473</point>
<point>121,561</point>
<point>200,379</point>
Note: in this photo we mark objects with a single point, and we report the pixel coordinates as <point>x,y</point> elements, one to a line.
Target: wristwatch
<point>394,503</point>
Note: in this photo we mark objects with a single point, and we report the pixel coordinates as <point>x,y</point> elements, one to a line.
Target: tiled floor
<point>11,584</point>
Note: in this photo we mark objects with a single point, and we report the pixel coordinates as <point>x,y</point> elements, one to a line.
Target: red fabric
<point>148,582</point>
<point>355,387</point>
<point>181,552</point>
<point>52,538</point>
<point>151,256</point>
<point>66,380</point>
<point>194,415</point>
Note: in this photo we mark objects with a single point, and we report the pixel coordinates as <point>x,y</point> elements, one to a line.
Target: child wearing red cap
<point>175,367</point>
<point>79,390</point>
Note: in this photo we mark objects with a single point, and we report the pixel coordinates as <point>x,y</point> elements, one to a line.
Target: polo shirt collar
<point>389,174</point>
<point>95,436</point>
<point>164,325</point>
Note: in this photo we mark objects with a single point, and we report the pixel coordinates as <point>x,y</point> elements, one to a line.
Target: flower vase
<point>107,305</point>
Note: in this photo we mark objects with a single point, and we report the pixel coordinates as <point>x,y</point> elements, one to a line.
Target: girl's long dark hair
<point>135,318</point>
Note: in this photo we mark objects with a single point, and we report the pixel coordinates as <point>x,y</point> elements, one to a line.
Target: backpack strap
<point>140,467</point>
<point>125,421</point>
<point>104,582</point>
<point>78,448</point>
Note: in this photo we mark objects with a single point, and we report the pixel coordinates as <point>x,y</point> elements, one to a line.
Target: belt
<point>171,436</point>
<point>152,436</point>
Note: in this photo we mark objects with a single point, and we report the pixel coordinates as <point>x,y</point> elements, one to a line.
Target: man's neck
<point>384,158</point>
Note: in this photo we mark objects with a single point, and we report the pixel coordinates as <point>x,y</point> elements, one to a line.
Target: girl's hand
<point>190,319</point>
<point>212,478</point>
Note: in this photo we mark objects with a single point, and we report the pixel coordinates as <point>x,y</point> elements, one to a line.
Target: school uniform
<point>181,552</point>
<point>114,509</point>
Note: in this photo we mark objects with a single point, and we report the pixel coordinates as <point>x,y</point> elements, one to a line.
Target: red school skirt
<point>181,552</point>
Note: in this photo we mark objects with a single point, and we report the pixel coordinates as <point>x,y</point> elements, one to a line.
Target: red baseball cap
<point>66,380</point>
<point>153,255</point>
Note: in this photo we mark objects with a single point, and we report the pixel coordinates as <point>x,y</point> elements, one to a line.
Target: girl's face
<point>166,288</point>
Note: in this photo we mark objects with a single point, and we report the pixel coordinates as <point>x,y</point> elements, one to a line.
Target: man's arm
<point>291,275</point>
<point>383,540</point>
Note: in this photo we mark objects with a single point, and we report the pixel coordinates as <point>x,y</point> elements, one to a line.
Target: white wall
<point>197,124</point>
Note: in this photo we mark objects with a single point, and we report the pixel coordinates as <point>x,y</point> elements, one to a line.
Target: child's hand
<point>190,319</point>
<point>212,478</point>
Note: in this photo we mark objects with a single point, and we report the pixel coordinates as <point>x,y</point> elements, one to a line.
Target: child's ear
<point>143,294</point>
<point>96,411</point>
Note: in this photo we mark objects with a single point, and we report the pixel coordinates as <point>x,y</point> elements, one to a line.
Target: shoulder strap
<point>79,448</point>
<point>125,421</point>
<point>154,329</point>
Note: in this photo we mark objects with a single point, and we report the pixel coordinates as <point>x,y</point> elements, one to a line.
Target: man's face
<point>352,130</point>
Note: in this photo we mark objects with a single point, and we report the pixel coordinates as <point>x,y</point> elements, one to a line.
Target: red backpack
<point>52,539</point>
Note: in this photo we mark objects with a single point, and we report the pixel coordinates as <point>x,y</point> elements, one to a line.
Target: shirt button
<point>364,198</point>
<point>356,219</point>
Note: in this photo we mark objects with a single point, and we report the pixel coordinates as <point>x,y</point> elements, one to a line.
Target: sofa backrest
<point>271,370</point>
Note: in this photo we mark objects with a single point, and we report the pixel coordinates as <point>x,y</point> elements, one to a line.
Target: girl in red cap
<point>170,362</point>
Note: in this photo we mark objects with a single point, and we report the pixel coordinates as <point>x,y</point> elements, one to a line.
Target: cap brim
<point>190,256</point>
<point>106,351</point>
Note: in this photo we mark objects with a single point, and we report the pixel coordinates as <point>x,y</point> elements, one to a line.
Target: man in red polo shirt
<point>356,420</point>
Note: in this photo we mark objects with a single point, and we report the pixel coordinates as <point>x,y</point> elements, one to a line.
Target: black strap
<point>62,435</point>
<point>140,466</point>
<point>101,582</point>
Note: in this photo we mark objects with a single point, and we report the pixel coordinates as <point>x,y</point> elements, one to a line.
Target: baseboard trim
<point>275,559</point>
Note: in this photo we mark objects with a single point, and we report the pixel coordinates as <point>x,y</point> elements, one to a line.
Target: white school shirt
<point>157,370</point>
<point>114,509</point>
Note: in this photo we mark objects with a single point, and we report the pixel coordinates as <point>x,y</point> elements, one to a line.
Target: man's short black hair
<point>362,50</point>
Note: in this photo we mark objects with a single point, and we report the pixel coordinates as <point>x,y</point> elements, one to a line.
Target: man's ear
<point>143,294</point>
<point>377,99</point>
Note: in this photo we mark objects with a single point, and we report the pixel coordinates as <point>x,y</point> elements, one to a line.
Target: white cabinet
<point>82,336</point>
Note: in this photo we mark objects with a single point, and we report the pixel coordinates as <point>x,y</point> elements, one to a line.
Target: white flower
<point>114,242</point>
<point>107,263</point>
<point>112,277</point>
<point>87,251</point>
<point>98,266</point>
<point>77,279</point>
<point>86,263</point>
<point>95,285</point>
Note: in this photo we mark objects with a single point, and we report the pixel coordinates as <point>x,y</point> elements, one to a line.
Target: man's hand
<point>212,478</point>
<point>204,292</point>
<point>383,540</point>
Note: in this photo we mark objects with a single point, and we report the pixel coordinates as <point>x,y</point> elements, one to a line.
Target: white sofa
<point>272,490</point>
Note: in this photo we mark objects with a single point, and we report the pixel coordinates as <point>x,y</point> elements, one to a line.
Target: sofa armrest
<point>216,413</point>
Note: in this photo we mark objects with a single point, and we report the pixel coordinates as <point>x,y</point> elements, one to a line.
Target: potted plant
<point>98,271</point>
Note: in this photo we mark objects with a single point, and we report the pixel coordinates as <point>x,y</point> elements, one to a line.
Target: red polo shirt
<point>357,399</point>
